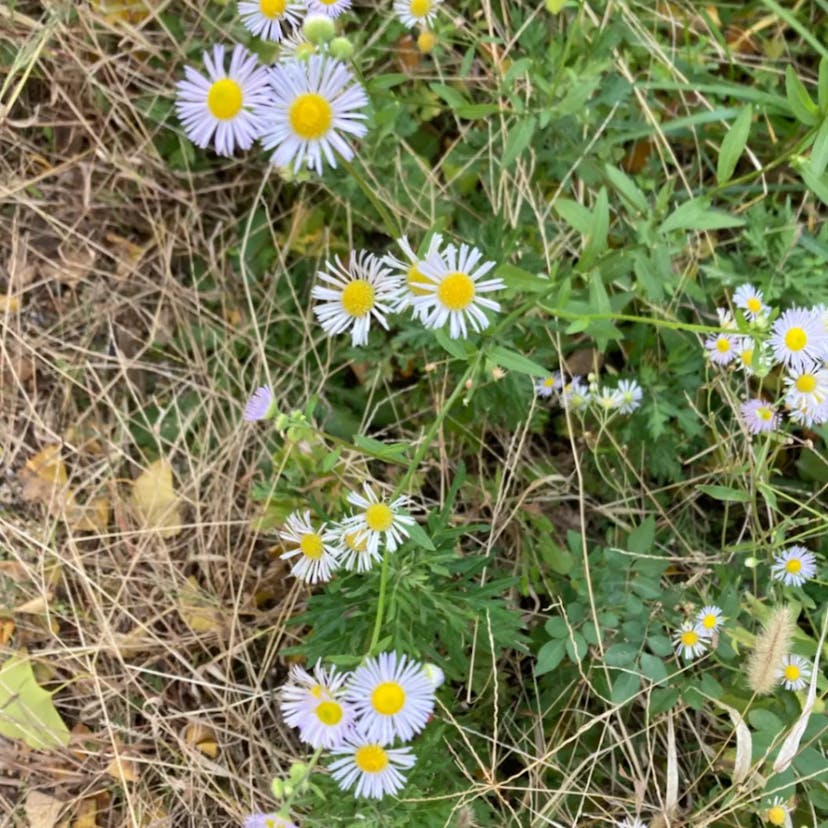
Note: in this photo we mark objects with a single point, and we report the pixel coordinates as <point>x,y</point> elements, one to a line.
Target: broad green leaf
<point>620,655</point>
<point>520,279</point>
<point>448,94</point>
<point>725,493</point>
<point>819,151</point>
<point>597,237</point>
<point>575,215</point>
<point>550,656</point>
<point>455,347</point>
<point>472,112</point>
<point>733,145</point>
<point>624,687</point>
<point>390,452</point>
<point>653,668</point>
<point>518,139</point>
<point>817,184</point>
<point>26,709</point>
<point>803,108</point>
<point>627,188</point>
<point>696,214</point>
<point>513,361</point>
<point>576,648</point>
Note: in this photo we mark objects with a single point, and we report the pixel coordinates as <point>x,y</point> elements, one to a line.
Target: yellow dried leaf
<point>123,769</point>
<point>44,477</point>
<point>202,738</point>
<point>35,606</point>
<point>87,814</point>
<point>6,630</point>
<point>42,810</point>
<point>90,517</point>
<point>199,613</point>
<point>132,11</point>
<point>8,303</point>
<point>155,500</point>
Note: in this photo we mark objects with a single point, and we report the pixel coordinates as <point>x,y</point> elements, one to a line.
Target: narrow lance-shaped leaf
<point>733,145</point>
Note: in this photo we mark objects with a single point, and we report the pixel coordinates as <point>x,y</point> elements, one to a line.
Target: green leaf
<point>696,214</point>
<point>620,655</point>
<point>419,536</point>
<point>520,279</point>
<point>455,347</point>
<point>550,656</point>
<point>26,709</point>
<point>449,94</point>
<point>575,215</point>
<point>726,493</point>
<point>653,668</point>
<point>627,188</point>
<point>625,686</point>
<point>576,648</point>
<point>733,145</point>
<point>390,452</point>
<point>817,184</point>
<point>330,459</point>
<point>819,152</point>
<point>822,86</point>
<point>597,237</point>
<point>473,112</point>
<point>513,361</point>
<point>518,139</point>
<point>804,109</point>
<point>640,540</point>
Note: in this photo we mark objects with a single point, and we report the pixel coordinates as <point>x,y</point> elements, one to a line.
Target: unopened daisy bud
<point>434,674</point>
<point>426,42</point>
<point>277,788</point>
<point>318,28</point>
<point>341,48</point>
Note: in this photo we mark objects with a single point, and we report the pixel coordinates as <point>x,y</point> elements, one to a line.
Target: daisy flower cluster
<point>444,287</point>
<point>694,637</point>
<point>363,718</point>
<point>578,396</point>
<point>796,340</point>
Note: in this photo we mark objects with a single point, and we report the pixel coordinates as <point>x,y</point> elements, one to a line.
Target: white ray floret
<point>372,769</point>
<point>411,276</point>
<point>709,620</point>
<point>393,697</point>
<point>576,394</point>
<point>316,102</point>
<point>807,388</point>
<point>779,813</point>
<point>794,566</point>
<point>798,339</point>
<point>331,8</point>
<point>750,300</point>
<point>414,13</point>
<point>453,292</point>
<point>228,107</point>
<point>351,296</point>
<point>263,820</point>
<point>629,394</point>
<point>630,822</point>
<point>721,348</point>
<point>303,690</point>
<point>272,19</point>
<point>688,642</point>
<point>314,549</point>
<point>810,415</point>
<point>794,672</point>
<point>547,386</point>
<point>354,553</point>
<point>379,521</point>
<point>759,416</point>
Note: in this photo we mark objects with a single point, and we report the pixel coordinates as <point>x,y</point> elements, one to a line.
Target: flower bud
<point>318,28</point>
<point>341,48</point>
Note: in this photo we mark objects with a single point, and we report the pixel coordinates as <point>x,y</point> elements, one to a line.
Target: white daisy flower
<point>227,107</point>
<point>331,8</point>
<point>434,674</point>
<point>393,697</point>
<point>453,292</point>
<point>265,18</point>
<point>576,394</point>
<point>807,388</point>
<point>607,399</point>
<point>726,319</point>
<point>794,672</point>
<point>547,386</point>
<point>750,300</point>
<point>267,821</point>
<point>358,292</point>
<point>779,813</point>
<point>708,620</point>
<point>721,348</point>
<point>315,550</point>
<point>794,566</point>
<point>630,822</point>
<point>326,723</point>
<point>746,351</point>
<point>296,47</point>
<point>408,270</point>
<point>303,690</point>
<point>688,642</point>
<point>353,550</point>
<point>261,405</point>
<point>630,394</point>
<point>798,339</point>
<point>378,521</point>
<point>373,767</point>
<point>759,416</point>
<point>315,100</point>
<point>414,13</point>
<point>810,415</point>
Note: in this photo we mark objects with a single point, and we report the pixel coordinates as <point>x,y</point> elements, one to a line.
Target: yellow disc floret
<point>311,546</point>
<point>310,116</point>
<point>388,698</point>
<point>419,8</point>
<point>371,759</point>
<point>357,298</point>
<point>426,42</point>
<point>753,305</point>
<point>415,279</point>
<point>355,541</point>
<point>722,344</point>
<point>456,291</point>
<point>272,8</point>
<point>796,339</point>
<point>709,621</point>
<point>792,672</point>
<point>224,100</point>
<point>689,638</point>
<point>777,815</point>
<point>379,517</point>
<point>793,566</point>
<point>764,413</point>
<point>329,712</point>
<point>806,383</point>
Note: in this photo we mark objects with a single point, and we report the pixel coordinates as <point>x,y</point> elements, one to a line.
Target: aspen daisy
<point>393,697</point>
<point>413,13</point>
<point>374,767</point>
<point>607,399</point>
<point>798,339</point>
<point>708,620</point>
<point>779,813</point>
<point>315,101</point>
<point>296,47</point>
<point>629,395</point>
<point>352,295</point>
<point>303,690</point>
<point>807,388</point>
<point>688,642</point>
<point>326,722</point>
<point>794,672</point>
<point>227,107</point>
<point>576,394</point>
<point>547,386</point>
<point>408,270</point>
<point>267,821</point>
<point>353,550</point>
<point>453,292</point>
<point>810,415</point>
<point>331,8</point>
<point>314,549</point>
<point>759,416</point>
<point>265,18</point>
<point>378,520</point>
<point>721,348</point>
<point>261,405</point>
<point>794,566</point>
<point>750,300</point>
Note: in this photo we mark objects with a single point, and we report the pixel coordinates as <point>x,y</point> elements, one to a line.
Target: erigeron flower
<point>227,107</point>
<point>378,520</point>
<point>303,691</point>
<point>393,697</point>
<point>452,293</point>
<point>794,566</point>
<point>688,642</point>
<point>778,813</point>
<point>374,767</point>
<point>414,13</point>
<point>630,394</point>
<point>354,553</point>
<point>434,674</point>
<point>807,388</point>
<point>708,620</point>
<point>314,549</point>
<point>265,18</point>
<point>353,295</point>
<point>726,319</point>
<point>794,672</point>
<point>576,395</point>
<point>326,722</point>
<point>607,399</point>
<point>721,348</point>
<point>314,102</point>
<point>750,300</point>
<point>810,415</point>
<point>759,416</point>
<point>798,339</point>
<point>261,405</point>
<point>630,822</point>
<point>547,386</point>
<point>411,277</point>
<point>267,821</point>
<point>296,47</point>
<point>331,8</point>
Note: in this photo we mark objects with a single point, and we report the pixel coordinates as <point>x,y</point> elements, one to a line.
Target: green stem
<point>297,786</point>
<point>391,226</point>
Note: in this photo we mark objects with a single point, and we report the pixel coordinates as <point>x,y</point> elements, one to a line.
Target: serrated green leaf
<point>733,145</point>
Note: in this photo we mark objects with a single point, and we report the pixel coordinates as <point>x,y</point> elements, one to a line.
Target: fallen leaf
<point>202,738</point>
<point>131,11</point>
<point>408,55</point>
<point>42,810</point>
<point>44,477</point>
<point>35,606</point>
<point>26,709</point>
<point>122,767</point>
<point>8,303</point>
<point>90,517</point>
<point>199,612</point>
<point>14,571</point>
<point>155,501</point>
<point>6,630</point>
<point>87,814</point>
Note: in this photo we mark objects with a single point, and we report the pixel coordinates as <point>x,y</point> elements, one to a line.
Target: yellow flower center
<point>310,116</point>
<point>456,291</point>
<point>379,517</point>
<point>764,413</point>
<point>792,672</point>
<point>549,382</point>
<point>327,2</point>
<point>305,50</point>
<point>272,8</point>
<point>796,339</point>
<point>753,305</point>
<point>329,712</point>
<point>776,815</point>
<point>747,357</point>
<point>419,8</point>
<point>689,638</point>
<point>371,759</point>
<point>426,42</point>
<point>722,344</point>
<point>806,383</point>
<point>316,691</point>
<point>311,546</point>
<point>414,278</point>
<point>388,698</point>
<point>793,566</point>
<point>224,100</point>
<point>356,542</point>
<point>357,298</point>
<point>709,621</point>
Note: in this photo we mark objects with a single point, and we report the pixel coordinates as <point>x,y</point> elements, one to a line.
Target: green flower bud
<point>341,48</point>
<point>318,28</point>
<point>277,788</point>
